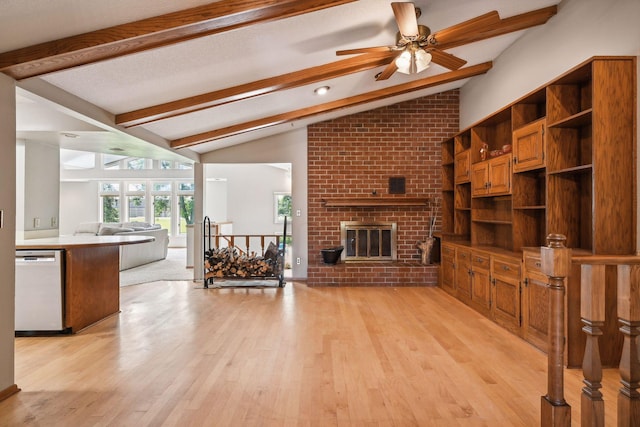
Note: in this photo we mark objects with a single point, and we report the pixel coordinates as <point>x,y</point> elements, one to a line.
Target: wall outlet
<point>36,222</point>
<point>54,221</point>
<point>298,260</point>
<point>298,212</point>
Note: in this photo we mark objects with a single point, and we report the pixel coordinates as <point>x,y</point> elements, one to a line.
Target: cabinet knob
<point>539,265</point>
<point>505,268</point>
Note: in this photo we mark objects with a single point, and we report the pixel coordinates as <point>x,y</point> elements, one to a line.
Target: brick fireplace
<point>354,157</point>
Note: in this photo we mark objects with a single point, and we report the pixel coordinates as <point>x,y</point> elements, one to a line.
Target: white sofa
<point>131,255</point>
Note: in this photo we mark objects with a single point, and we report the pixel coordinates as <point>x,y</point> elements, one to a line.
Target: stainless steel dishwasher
<point>39,302</point>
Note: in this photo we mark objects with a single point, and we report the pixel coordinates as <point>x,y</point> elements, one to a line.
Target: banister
<point>556,264</point>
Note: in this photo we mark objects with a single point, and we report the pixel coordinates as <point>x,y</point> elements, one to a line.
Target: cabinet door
<point>463,167</point>
<point>463,275</point>
<point>481,291</point>
<point>480,179</point>
<point>447,268</point>
<point>529,147</point>
<point>505,308</point>
<point>500,175</point>
<point>535,310</point>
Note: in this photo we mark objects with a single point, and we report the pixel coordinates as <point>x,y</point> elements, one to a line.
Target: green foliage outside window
<point>110,210</point>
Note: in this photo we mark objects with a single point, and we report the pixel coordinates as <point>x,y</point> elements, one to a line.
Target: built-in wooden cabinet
<point>480,282</point>
<point>505,273</point>
<point>491,177</point>
<point>535,300</point>
<point>528,146</point>
<point>560,160</point>
<point>447,262</point>
<point>463,167</point>
<point>463,274</point>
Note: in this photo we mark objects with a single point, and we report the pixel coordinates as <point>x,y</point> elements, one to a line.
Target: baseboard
<point>9,391</point>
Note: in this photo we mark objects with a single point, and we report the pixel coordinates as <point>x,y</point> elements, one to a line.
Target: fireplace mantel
<point>374,201</point>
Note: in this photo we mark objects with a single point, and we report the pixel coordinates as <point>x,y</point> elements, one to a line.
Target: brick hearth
<point>355,156</point>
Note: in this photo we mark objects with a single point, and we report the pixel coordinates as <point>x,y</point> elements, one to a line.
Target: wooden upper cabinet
<point>529,146</point>
<point>491,177</point>
<point>463,167</point>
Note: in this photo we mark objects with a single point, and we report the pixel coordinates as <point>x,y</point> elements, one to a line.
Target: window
<point>110,208</point>
<point>185,205</point>
<point>110,201</point>
<point>136,202</point>
<point>282,207</point>
<point>136,164</point>
<point>161,196</point>
<point>162,211</point>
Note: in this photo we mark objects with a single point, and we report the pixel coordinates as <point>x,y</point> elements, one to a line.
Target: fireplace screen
<point>364,241</point>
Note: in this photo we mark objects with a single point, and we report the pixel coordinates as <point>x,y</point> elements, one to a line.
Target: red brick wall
<point>354,156</point>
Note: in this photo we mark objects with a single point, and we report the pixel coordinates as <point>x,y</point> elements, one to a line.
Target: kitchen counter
<point>91,274</point>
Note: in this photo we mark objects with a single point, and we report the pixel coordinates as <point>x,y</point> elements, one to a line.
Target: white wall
<point>249,195</point>
<point>7,232</point>
<point>41,196</point>
<point>580,30</point>
<point>78,203</point>
<point>290,148</point>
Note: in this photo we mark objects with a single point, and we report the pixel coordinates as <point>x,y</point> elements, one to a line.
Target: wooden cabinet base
<point>92,285</point>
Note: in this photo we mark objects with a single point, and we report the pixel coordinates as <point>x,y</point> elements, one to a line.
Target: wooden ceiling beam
<point>151,33</point>
<point>507,25</point>
<point>303,113</point>
<point>314,74</point>
<point>253,89</point>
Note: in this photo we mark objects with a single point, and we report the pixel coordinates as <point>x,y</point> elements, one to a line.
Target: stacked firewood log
<point>228,262</point>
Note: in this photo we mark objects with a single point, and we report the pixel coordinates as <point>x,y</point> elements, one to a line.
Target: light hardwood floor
<point>182,356</point>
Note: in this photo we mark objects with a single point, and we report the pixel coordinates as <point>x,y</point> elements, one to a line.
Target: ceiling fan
<point>417,47</point>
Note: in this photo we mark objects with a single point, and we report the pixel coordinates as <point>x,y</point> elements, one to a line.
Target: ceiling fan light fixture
<point>413,61</point>
<point>404,61</point>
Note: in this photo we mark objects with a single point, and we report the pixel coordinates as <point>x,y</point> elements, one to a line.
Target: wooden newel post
<point>556,264</point>
<point>629,318</point>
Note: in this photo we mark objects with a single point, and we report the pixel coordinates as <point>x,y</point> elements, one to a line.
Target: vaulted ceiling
<point>194,76</point>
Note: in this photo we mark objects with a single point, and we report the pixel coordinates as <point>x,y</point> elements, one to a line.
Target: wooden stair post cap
<point>556,257</point>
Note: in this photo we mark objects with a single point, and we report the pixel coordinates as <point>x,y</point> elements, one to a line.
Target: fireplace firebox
<point>368,241</point>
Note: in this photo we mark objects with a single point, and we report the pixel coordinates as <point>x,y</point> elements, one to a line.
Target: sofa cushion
<point>87,228</point>
<point>110,231</point>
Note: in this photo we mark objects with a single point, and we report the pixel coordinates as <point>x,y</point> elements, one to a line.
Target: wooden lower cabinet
<point>463,275</point>
<point>480,282</point>
<point>535,300</point>
<point>505,310</point>
<point>447,268</point>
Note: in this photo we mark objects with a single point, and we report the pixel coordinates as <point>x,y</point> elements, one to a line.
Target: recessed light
<point>322,90</point>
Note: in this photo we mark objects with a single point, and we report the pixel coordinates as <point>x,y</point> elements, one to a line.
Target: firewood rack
<point>230,257</point>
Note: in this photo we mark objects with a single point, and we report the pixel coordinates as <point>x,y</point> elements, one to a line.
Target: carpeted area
<point>171,268</point>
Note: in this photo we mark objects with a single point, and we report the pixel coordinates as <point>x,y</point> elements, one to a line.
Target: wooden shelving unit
<point>569,168</point>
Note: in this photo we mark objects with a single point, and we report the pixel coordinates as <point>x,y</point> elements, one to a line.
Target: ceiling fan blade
<point>388,71</point>
<point>365,50</point>
<point>445,59</point>
<point>466,29</point>
<point>405,14</point>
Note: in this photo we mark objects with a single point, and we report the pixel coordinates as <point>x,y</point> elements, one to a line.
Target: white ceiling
<point>216,62</point>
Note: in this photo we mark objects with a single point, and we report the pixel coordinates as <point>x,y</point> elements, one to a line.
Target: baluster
<point>629,317</point>
<point>556,263</point>
<point>592,312</point>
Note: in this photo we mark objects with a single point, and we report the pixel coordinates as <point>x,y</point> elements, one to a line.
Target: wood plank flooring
<point>297,356</point>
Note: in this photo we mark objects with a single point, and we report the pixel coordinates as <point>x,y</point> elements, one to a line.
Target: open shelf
<point>576,170</point>
<point>577,120</point>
